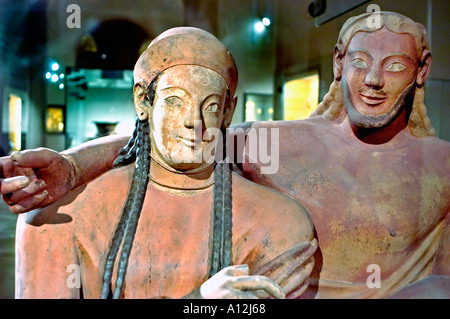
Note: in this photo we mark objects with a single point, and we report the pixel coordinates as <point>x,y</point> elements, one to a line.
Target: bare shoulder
<point>273,208</point>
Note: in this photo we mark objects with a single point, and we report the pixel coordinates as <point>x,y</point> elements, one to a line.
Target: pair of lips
<point>191,142</point>
<point>372,100</point>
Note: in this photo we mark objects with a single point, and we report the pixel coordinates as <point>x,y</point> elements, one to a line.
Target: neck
<point>179,179</point>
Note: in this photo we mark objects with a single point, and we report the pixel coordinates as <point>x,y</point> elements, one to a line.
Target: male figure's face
<point>379,70</point>
<point>189,105</point>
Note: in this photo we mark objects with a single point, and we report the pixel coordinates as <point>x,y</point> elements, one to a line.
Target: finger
<point>300,290</point>
<point>297,278</point>
<point>280,268</point>
<point>259,283</point>
<point>2,159</point>
<point>239,294</point>
<point>36,158</point>
<point>6,166</point>
<point>28,203</point>
<point>260,294</point>
<point>304,260</point>
<point>13,184</point>
<point>23,193</point>
<point>236,270</point>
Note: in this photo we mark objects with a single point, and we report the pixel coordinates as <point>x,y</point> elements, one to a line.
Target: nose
<point>375,77</point>
<point>194,114</point>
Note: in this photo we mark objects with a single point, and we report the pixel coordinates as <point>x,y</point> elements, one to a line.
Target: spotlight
<point>259,27</point>
<point>265,21</point>
<point>55,78</point>
<point>55,66</point>
<point>61,76</point>
<point>48,75</point>
<point>61,86</point>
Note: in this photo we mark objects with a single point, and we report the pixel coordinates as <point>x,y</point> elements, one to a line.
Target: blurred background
<point>66,66</point>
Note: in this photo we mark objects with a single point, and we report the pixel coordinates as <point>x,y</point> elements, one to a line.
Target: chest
<point>170,251</point>
<point>385,200</point>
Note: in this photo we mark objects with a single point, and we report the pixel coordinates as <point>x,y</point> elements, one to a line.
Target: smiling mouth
<point>373,100</point>
<point>189,141</point>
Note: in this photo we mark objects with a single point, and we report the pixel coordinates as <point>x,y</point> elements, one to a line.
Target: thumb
<point>237,270</point>
<point>37,158</point>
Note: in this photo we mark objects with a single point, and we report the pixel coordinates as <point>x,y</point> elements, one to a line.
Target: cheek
<point>166,126</point>
<point>355,78</point>
<point>213,120</point>
<point>395,83</point>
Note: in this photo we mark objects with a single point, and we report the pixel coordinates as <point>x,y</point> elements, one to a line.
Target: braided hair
<point>138,150</point>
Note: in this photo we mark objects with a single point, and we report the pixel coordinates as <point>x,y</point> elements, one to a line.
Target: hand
<point>50,176</point>
<point>234,282</point>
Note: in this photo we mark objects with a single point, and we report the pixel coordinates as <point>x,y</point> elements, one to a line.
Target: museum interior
<point>66,66</point>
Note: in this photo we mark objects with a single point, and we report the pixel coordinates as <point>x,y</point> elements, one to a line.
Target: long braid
<point>221,244</point>
<point>217,218</point>
<point>227,258</point>
<point>142,170</point>
<point>138,146</point>
<point>132,208</point>
<point>127,155</point>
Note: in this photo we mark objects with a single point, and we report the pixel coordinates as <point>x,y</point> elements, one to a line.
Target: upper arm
<point>45,251</point>
<point>290,257</point>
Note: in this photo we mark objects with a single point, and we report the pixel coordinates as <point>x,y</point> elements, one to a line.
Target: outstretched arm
<point>50,175</point>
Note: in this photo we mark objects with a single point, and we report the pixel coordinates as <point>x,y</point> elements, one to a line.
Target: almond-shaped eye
<point>174,101</point>
<point>396,67</point>
<point>213,107</point>
<point>359,63</point>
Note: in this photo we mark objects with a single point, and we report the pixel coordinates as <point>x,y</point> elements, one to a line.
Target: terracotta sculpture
<point>183,220</point>
<point>368,168</point>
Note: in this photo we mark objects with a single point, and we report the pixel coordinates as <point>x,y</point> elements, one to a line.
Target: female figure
<point>189,227</point>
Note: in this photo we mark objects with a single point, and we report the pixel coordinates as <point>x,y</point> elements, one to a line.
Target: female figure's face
<point>186,116</point>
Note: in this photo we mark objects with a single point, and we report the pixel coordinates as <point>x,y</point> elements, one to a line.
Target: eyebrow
<point>359,50</point>
<point>187,93</point>
<point>173,88</point>
<point>396,53</point>
<point>400,54</point>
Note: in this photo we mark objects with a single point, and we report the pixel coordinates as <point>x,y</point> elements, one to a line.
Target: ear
<point>338,56</point>
<point>229,111</point>
<point>424,68</point>
<point>141,102</point>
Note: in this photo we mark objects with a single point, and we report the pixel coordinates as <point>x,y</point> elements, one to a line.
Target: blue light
<point>55,78</point>
<point>61,86</point>
<point>48,75</point>
<point>55,66</point>
<point>259,27</point>
<point>265,21</point>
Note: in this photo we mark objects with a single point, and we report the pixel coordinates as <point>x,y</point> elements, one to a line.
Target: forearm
<point>93,158</point>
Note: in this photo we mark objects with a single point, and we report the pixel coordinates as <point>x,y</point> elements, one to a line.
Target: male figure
<point>179,224</point>
<point>369,169</point>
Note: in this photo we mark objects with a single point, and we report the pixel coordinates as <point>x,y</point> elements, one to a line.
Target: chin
<point>371,110</point>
